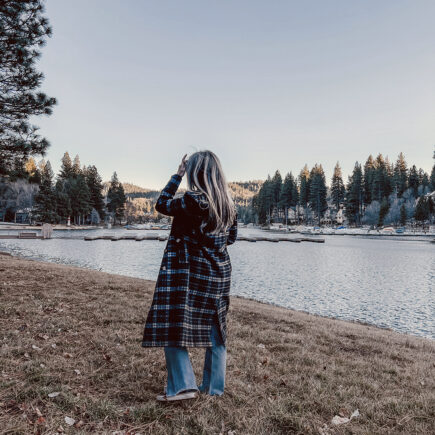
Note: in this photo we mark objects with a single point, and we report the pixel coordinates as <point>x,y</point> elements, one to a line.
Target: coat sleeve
<point>233,232</point>
<point>168,205</point>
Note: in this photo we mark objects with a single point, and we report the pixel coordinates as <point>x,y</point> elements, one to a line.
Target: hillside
<point>141,200</point>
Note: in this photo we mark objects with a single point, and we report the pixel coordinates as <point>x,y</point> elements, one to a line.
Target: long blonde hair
<point>205,175</point>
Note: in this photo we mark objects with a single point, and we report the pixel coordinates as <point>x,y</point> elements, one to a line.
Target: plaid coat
<point>195,273</point>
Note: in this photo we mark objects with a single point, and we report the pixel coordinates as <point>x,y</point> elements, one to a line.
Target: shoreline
<point>76,333</point>
<point>350,232</point>
<point>272,304</point>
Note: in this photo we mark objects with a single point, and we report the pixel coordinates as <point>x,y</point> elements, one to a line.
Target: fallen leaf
<point>36,348</point>
<point>261,346</point>
<point>342,420</point>
<point>79,424</point>
<point>54,394</point>
<point>38,412</point>
<point>40,420</point>
<point>339,420</point>
<point>77,372</point>
<point>69,421</point>
<point>107,357</point>
<point>355,414</point>
<point>67,355</point>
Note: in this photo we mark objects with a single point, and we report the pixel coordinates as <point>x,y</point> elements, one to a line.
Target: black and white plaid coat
<point>195,274</point>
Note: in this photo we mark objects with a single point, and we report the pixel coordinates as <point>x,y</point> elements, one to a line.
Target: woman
<point>191,297</point>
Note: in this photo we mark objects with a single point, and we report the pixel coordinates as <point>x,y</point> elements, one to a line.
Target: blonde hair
<point>205,175</point>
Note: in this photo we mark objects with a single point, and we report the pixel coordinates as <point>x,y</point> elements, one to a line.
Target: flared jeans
<point>180,372</point>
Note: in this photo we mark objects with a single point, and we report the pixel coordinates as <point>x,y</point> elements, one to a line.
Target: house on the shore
<point>23,216</point>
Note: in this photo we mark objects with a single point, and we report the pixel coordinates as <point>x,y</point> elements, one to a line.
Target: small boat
<point>400,230</point>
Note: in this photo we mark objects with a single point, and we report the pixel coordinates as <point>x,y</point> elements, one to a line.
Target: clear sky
<point>265,85</point>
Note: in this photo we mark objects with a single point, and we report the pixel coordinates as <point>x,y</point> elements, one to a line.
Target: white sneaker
<point>179,396</point>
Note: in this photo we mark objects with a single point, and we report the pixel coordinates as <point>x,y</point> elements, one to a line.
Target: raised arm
<point>186,205</point>
<point>166,204</point>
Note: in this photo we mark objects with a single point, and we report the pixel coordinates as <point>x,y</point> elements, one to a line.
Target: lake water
<point>389,283</point>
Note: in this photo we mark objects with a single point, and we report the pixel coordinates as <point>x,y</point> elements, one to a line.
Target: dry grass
<point>87,328</point>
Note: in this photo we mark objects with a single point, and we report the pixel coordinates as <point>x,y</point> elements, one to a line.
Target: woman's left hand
<point>182,168</point>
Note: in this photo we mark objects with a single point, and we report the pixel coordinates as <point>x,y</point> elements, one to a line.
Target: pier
<point>164,237</point>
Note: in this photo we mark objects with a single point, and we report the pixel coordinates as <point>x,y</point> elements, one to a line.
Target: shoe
<point>179,396</point>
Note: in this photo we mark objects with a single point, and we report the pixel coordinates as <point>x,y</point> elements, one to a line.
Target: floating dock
<point>21,236</point>
<point>240,238</point>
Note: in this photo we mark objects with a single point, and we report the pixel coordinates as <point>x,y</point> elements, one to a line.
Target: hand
<point>182,168</point>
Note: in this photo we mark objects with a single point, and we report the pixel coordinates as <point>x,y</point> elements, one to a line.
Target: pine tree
<point>355,195</point>
<point>382,180</point>
<point>263,201</point>
<point>79,197</point>
<point>45,200</point>
<point>76,169</point>
<point>276,191</point>
<point>431,207</point>
<point>389,180</point>
<point>318,192</point>
<point>95,185</point>
<point>432,176</point>
<point>413,181</point>
<point>23,29</point>
<point>66,169</point>
<point>423,178</point>
<point>400,175</point>
<point>337,187</point>
<point>369,175</point>
<point>289,193</point>
<point>422,210</point>
<point>304,189</point>
<point>116,198</point>
<point>432,179</point>
<point>63,201</point>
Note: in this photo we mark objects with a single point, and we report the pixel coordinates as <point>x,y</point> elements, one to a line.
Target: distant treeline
<point>377,193</point>
<point>76,193</point>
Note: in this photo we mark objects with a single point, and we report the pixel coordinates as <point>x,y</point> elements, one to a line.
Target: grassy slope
<point>87,328</point>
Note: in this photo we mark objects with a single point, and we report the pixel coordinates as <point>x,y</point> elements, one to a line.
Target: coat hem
<point>165,344</point>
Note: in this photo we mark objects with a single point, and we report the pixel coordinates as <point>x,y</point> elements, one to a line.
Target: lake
<point>389,283</point>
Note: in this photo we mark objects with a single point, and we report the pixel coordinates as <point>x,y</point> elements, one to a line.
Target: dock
<point>21,235</point>
<point>140,238</point>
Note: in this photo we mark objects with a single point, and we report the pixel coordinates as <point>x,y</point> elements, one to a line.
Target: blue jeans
<point>180,371</point>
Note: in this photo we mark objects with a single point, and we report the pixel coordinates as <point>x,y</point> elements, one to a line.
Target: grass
<point>78,333</point>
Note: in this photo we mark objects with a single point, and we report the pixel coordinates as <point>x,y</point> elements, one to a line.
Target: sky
<point>264,85</point>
